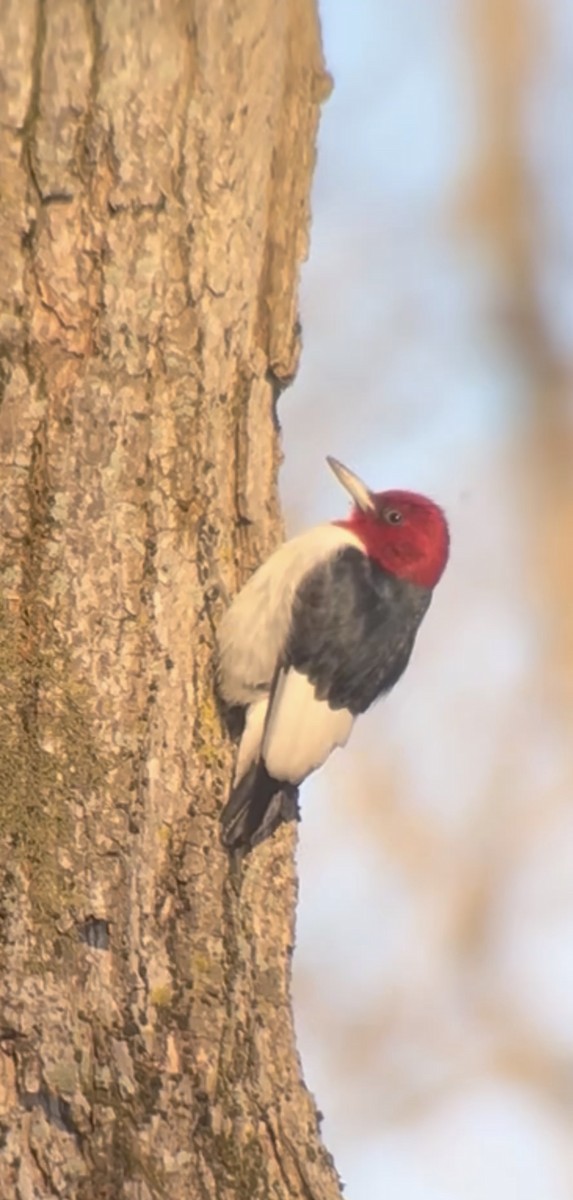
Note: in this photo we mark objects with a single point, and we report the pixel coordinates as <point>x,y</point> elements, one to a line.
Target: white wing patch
<point>250,745</point>
<point>301,731</point>
<point>253,631</point>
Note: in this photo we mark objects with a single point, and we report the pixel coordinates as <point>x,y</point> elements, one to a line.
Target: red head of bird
<point>404,532</point>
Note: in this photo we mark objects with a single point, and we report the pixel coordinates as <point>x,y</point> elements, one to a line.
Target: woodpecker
<point>321,630</point>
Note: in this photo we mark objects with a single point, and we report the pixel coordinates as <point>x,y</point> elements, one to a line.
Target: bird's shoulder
<point>351,581</point>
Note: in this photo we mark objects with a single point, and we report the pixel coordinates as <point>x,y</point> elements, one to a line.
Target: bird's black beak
<point>361,495</point>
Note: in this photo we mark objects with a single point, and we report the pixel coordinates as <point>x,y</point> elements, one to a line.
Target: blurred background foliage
<point>434,968</point>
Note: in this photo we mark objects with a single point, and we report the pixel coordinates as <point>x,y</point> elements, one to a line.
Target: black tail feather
<point>256,807</point>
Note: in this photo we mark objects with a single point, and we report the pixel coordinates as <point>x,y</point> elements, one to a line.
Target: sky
<point>434,971</point>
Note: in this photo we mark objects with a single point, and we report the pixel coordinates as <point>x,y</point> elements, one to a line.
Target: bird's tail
<point>256,807</point>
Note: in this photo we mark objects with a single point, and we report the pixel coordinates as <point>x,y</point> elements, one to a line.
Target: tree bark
<point>156,166</point>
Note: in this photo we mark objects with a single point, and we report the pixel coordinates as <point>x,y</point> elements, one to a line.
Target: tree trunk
<point>156,164</point>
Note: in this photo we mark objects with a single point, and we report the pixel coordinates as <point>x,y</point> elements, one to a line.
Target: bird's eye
<point>393,516</point>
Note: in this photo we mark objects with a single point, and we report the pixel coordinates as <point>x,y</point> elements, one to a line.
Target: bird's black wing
<point>352,629</point>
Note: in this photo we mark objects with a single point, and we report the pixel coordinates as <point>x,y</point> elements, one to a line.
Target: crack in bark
<point>56,1109</point>
<point>32,114</point>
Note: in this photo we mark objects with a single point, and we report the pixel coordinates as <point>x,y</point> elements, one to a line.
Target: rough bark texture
<point>155,171</point>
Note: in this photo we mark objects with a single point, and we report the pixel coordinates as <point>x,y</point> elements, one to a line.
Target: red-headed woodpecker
<point>322,629</point>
